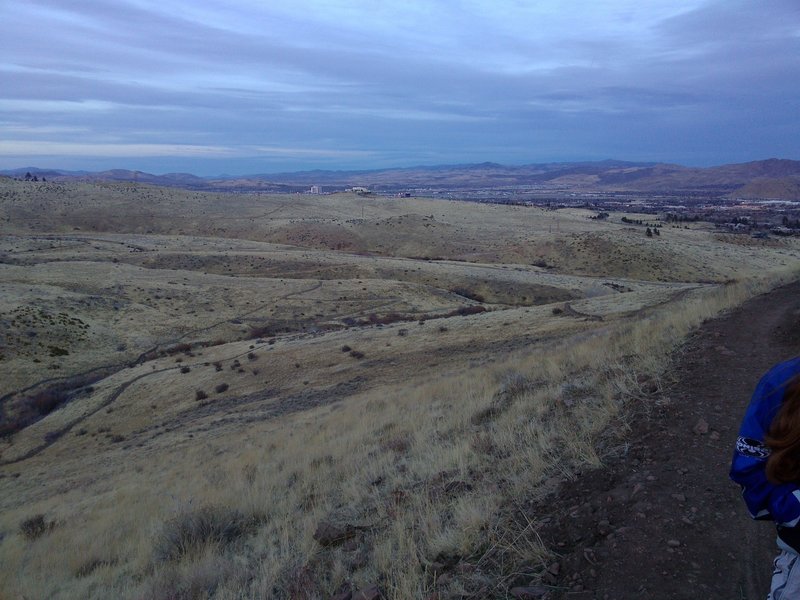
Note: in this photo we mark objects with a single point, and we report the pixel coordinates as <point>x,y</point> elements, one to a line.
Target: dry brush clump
<point>194,529</point>
<point>36,526</point>
<point>177,349</point>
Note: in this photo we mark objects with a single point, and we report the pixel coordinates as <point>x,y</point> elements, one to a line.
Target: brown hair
<point>783,439</point>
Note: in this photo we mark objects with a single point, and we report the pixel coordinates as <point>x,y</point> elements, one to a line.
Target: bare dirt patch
<point>661,519</point>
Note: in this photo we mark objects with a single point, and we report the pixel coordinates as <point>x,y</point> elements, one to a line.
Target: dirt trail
<point>662,519</point>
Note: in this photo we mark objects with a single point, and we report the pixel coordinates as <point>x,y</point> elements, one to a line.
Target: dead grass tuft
<point>35,527</point>
<point>91,565</point>
<point>194,529</point>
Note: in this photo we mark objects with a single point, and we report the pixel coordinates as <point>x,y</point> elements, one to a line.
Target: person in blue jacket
<point>766,464</point>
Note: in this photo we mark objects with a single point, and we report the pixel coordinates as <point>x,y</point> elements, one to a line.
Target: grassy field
<point>278,396</point>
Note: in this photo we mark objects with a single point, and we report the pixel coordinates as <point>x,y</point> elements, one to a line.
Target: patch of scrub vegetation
<point>35,527</point>
<point>23,409</point>
<point>32,331</point>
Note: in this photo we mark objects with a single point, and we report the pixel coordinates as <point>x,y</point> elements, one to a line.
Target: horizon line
<point>68,172</point>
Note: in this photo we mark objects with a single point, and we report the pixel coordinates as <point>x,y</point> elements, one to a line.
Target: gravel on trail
<point>662,519</point>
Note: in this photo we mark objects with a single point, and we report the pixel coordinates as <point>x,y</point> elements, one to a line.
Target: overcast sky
<point>258,86</point>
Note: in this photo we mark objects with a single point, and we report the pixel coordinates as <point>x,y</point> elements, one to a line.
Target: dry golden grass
<point>426,452</point>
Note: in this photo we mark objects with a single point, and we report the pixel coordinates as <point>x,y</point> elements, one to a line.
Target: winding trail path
<point>106,370</point>
<point>661,519</point>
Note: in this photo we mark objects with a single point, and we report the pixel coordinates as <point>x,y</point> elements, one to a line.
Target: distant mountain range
<point>772,178</point>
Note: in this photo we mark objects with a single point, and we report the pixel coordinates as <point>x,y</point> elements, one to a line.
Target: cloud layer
<point>245,86</point>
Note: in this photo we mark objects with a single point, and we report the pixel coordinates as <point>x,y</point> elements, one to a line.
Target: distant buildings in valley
<point>356,189</point>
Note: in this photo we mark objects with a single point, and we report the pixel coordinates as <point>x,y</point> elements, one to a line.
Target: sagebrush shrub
<point>35,526</point>
<point>193,529</point>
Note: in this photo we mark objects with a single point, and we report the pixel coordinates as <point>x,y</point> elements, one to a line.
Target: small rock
<point>329,534</point>
<point>714,435</point>
<point>555,568</point>
<point>673,543</point>
<point>370,593</point>
<point>532,592</point>
<point>701,427</point>
<point>618,494</point>
<point>679,497</point>
<point>345,595</point>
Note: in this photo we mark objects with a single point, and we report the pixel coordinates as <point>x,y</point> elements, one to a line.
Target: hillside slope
<point>663,518</point>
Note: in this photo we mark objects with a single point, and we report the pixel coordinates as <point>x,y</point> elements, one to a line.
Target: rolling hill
<point>772,178</point>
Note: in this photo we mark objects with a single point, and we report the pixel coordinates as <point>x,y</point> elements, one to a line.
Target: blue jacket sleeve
<point>765,500</point>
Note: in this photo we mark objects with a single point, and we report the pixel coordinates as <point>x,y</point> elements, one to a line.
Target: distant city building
<point>359,190</point>
<point>316,189</point>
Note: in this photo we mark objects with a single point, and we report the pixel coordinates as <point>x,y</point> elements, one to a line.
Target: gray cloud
<point>404,82</point>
